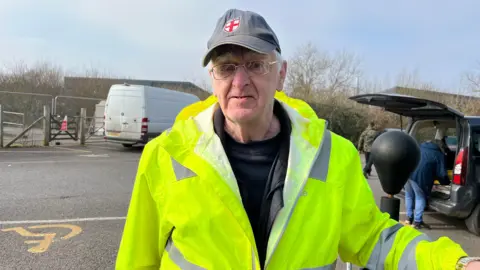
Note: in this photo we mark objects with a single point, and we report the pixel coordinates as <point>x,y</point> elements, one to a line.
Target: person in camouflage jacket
<point>365,145</point>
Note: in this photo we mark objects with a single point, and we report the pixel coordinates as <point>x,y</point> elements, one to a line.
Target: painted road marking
<point>95,155</point>
<point>111,147</point>
<point>60,220</point>
<point>67,161</point>
<point>63,150</point>
<point>73,150</point>
<point>39,151</point>
<point>48,238</point>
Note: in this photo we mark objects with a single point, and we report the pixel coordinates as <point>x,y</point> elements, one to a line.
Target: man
<point>369,162</point>
<point>252,179</point>
<point>365,145</point>
<point>418,188</point>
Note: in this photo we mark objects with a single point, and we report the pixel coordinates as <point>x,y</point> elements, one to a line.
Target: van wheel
<point>473,221</point>
<point>127,145</point>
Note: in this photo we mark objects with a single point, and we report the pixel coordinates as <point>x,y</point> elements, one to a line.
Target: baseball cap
<point>244,28</point>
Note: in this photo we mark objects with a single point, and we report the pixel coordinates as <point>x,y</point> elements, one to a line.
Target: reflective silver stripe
<point>181,172</point>
<point>325,267</point>
<point>408,260</point>
<point>383,247</point>
<point>178,258</point>
<point>320,167</point>
<point>167,131</point>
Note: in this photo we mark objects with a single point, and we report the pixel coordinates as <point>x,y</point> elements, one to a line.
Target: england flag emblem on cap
<point>231,25</point>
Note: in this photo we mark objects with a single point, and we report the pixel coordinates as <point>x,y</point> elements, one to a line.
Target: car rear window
<point>451,140</point>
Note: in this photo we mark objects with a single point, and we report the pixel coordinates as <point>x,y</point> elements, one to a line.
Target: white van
<point>135,114</point>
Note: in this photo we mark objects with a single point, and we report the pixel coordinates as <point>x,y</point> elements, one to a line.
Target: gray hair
<point>279,59</point>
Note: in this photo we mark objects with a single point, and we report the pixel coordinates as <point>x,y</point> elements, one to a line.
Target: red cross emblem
<point>231,25</point>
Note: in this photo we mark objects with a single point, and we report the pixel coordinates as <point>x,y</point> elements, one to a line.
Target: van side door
<point>473,175</point>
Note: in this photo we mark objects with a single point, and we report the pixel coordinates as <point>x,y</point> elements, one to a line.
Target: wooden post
<point>1,126</point>
<point>46,125</point>
<point>83,119</point>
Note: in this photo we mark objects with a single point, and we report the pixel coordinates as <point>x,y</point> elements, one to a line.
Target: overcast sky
<point>165,40</point>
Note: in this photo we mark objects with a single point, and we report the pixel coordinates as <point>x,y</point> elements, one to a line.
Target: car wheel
<point>473,221</point>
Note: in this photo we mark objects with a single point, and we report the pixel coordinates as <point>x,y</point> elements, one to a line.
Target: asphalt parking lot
<point>64,207</point>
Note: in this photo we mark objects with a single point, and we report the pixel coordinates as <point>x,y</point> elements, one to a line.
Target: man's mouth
<point>241,97</point>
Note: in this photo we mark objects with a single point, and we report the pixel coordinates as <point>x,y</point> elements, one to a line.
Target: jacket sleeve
<point>360,141</point>
<point>140,246</point>
<point>370,239</point>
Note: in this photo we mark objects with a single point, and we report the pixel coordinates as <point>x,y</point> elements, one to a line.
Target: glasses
<point>253,68</point>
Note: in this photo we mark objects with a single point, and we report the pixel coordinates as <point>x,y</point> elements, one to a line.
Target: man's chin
<point>241,116</point>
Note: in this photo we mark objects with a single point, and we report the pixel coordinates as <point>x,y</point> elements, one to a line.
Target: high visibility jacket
<point>186,211</point>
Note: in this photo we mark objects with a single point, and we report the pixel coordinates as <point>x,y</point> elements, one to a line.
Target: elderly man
<point>252,179</point>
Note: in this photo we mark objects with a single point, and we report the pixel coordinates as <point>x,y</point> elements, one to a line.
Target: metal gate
<point>95,129</point>
<point>77,128</point>
<point>70,133</point>
<point>19,130</point>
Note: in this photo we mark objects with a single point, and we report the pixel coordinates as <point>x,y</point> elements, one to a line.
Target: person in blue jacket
<point>419,186</point>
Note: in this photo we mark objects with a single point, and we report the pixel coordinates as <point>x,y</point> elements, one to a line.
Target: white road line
<point>66,151</point>
<point>95,155</point>
<point>13,222</point>
<point>112,148</point>
<point>37,152</point>
<point>78,160</point>
<point>73,150</point>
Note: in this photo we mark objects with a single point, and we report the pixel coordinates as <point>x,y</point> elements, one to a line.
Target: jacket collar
<point>300,114</point>
<point>198,119</point>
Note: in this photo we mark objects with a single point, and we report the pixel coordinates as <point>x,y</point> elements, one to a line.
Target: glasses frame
<point>269,64</point>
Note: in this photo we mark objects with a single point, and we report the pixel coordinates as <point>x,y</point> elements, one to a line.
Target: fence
<point>22,108</point>
<point>49,132</point>
<point>13,114</point>
<point>66,108</point>
<point>22,127</point>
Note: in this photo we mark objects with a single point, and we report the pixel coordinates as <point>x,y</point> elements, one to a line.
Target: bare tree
<point>311,71</point>
<point>344,71</point>
<point>471,79</point>
<point>306,70</point>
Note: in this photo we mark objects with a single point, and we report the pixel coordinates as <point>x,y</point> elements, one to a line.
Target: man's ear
<point>283,75</point>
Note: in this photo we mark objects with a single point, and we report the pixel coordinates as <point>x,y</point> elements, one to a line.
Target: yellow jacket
<point>186,211</point>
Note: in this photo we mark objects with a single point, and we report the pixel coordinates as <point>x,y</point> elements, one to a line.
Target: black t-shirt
<point>260,169</point>
<point>251,163</point>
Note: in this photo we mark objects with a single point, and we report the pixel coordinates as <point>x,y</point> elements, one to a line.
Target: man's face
<point>244,96</point>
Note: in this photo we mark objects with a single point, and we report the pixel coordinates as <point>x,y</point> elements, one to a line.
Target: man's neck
<point>265,128</point>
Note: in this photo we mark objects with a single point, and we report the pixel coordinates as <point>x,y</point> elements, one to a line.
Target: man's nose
<point>240,78</point>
